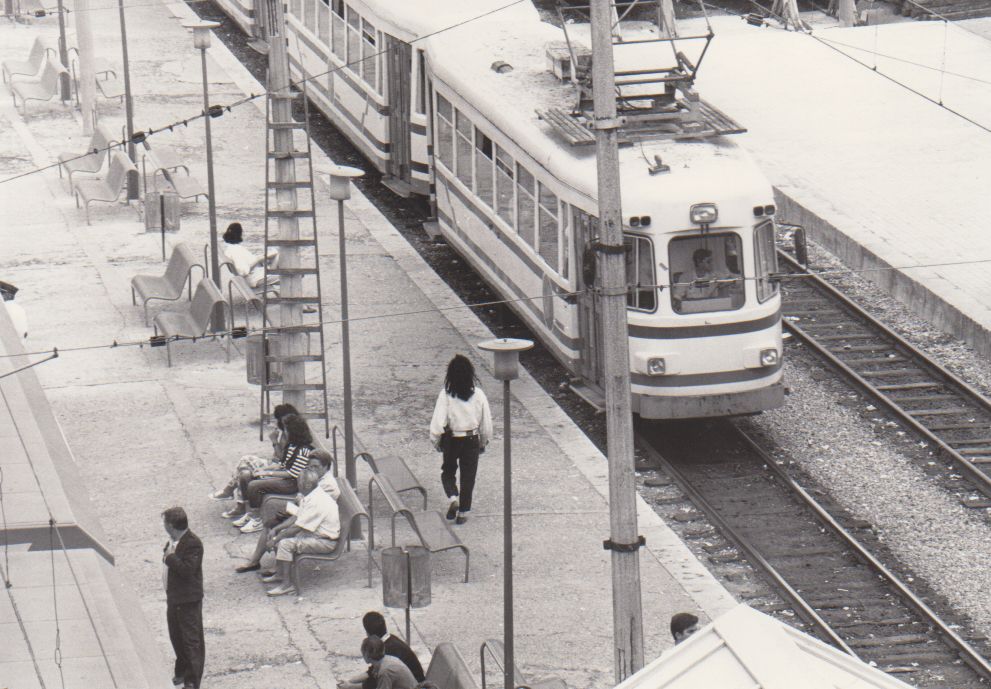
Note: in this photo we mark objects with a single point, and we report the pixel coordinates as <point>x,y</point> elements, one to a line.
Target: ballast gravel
<point>872,467</point>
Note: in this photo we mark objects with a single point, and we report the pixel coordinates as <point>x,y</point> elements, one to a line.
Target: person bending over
<point>374,624</point>
<point>385,671</point>
<point>313,528</point>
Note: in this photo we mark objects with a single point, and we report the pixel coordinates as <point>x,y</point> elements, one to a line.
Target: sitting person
<point>246,264</point>
<point>707,287</point>
<point>313,528</point>
<point>374,625</point>
<point>252,463</point>
<point>385,671</point>
<point>280,480</point>
<point>683,625</point>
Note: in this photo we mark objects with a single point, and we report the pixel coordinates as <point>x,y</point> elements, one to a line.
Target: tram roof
<point>463,58</point>
<point>107,642</point>
<point>744,648</point>
<point>409,20</point>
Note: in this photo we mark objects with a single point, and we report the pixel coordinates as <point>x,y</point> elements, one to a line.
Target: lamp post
<point>201,40</point>
<point>507,360</point>
<point>340,191</point>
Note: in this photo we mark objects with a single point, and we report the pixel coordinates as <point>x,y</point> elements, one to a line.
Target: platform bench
<point>196,321</point>
<point>350,510</point>
<point>89,162</point>
<point>104,190</point>
<point>397,471</point>
<point>435,532</point>
<point>46,88</point>
<point>29,67</point>
<point>448,669</point>
<point>167,287</point>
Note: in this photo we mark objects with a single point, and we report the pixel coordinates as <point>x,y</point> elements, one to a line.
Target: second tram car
<point>452,112</point>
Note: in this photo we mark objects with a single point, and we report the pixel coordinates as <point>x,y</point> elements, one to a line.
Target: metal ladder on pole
<point>314,388</point>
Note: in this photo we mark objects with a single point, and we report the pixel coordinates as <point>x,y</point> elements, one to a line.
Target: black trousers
<point>186,633</point>
<point>460,453</point>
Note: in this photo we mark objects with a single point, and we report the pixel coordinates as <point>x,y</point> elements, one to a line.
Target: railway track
<point>831,582</point>
<point>924,396</point>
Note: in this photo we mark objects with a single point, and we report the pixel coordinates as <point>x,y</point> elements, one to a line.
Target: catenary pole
<point>65,84</point>
<point>87,76</point>
<point>624,540</point>
<point>132,177</point>
<point>294,343</point>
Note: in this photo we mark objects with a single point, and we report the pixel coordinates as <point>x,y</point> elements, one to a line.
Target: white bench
<point>45,88</point>
<point>195,322</point>
<point>167,287</point>
<point>106,190</point>
<point>90,162</point>
<point>30,67</point>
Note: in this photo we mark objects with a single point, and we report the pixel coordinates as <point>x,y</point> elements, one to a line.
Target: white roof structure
<point>746,649</point>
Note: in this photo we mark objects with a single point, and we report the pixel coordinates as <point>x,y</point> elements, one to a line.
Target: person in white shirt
<point>246,264</point>
<point>461,427</point>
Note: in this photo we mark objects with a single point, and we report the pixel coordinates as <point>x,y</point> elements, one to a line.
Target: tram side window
<point>462,147</point>
<point>548,227</point>
<point>483,167</point>
<point>353,58</point>
<point>421,84</point>
<point>504,185</point>
<point>564,248</point>
<point>369,55</point>
<point>323,21</point>
<point>706,273</point>
<point>642,295</point>
<point>526,211</point>
<point>310,15</point>
<point>339,29</point>
<point>766,259</point>
<point>584,227</point>
<point>445,132</point>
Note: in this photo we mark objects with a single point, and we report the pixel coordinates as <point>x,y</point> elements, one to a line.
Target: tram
<point>485,119</point>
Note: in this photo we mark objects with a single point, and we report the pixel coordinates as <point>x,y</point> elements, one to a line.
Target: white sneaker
<point>253,526</point>
<point>241,521</point>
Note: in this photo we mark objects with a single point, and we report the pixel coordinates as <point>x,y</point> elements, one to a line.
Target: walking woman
<point>461,428</point>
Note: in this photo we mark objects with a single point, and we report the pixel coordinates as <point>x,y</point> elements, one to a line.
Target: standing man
<point>183,558</point>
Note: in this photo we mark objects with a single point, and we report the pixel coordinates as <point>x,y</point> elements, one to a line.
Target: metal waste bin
<point>159,205</point>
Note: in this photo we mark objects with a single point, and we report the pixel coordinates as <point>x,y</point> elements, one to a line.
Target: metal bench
<point>397,471</point>
<point>31,66</point>
<point>45,88</point>
<point>195,322</point>
<point>167,287</point>
<point>448,669</point>
<point>431,528</point>
<point>106,190</point>
<point>497,651</point>
<point>350,509</point>
<point>92,161</point>
<point>165,162</point>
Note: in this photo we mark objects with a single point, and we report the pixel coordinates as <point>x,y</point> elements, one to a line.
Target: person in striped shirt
<point>281,481</point>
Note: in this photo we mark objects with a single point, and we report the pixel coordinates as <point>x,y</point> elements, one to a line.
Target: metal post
<point>161,211</point>
<point>219,322</point>
<point>409,593</point>
<point>87,77</point>
<point>132,177</point>
<point>507,538</point>
<point>65,84</point>
<point>627,607</point>
<point>350,470</point>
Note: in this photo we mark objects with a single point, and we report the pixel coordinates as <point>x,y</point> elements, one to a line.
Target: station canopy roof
<point>746,649</point>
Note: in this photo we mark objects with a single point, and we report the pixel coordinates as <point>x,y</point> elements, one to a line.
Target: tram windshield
<point>706,273</point>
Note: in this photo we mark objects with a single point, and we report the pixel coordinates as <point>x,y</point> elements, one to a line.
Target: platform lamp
<point>340,191</point>
<point>507,368</point>
<point>201,40</point>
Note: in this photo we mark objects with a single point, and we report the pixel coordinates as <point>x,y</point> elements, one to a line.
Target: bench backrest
<point>37,54</point>
<point>120,165</point>
<point>180,263</point>
<point>205,299</point>
<point>349,507</point>
<point>448,669</point>
<point>497,651</point>
<point>50,75</point>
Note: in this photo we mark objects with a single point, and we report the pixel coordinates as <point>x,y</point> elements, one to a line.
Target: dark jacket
<point>397,648</point>
<point>185,582</point>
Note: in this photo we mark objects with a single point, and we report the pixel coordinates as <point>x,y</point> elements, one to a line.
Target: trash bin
<point>159,204</point>
<point>406,577</point>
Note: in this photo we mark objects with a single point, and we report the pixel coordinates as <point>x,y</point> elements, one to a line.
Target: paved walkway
<point>878,174</point>
<point>147,436</point>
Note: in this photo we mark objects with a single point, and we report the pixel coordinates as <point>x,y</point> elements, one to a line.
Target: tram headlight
<point>768,357</point>
<point>656,367</point>
<point>704,213</point>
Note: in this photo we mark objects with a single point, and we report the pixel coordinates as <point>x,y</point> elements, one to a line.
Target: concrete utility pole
<point>624,541</point>
<point>847,13</point>
<point>290,314</point>
<point>666,20</point>
<point>65,83</point>
<point>87,74</point>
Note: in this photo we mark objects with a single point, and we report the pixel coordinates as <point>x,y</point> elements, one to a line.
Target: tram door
<point>589,321</point>
<point>400,76</point>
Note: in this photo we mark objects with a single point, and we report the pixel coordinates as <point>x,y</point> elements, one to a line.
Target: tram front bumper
<point>701,406</point>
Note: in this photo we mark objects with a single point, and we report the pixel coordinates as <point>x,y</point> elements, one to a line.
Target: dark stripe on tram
<point>420,129</point>
<point>650,332</point>
<point>419,167</point>
<point>693,379</point>
<point>571,342</point>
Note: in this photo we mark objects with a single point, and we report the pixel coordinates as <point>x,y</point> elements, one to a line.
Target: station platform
<point>893,184</point>
<point>146,436</point>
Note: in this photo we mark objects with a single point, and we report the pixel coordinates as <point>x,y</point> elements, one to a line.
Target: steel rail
<point>980,479</point>
<point>793,597</point>
<point>967,652</point>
